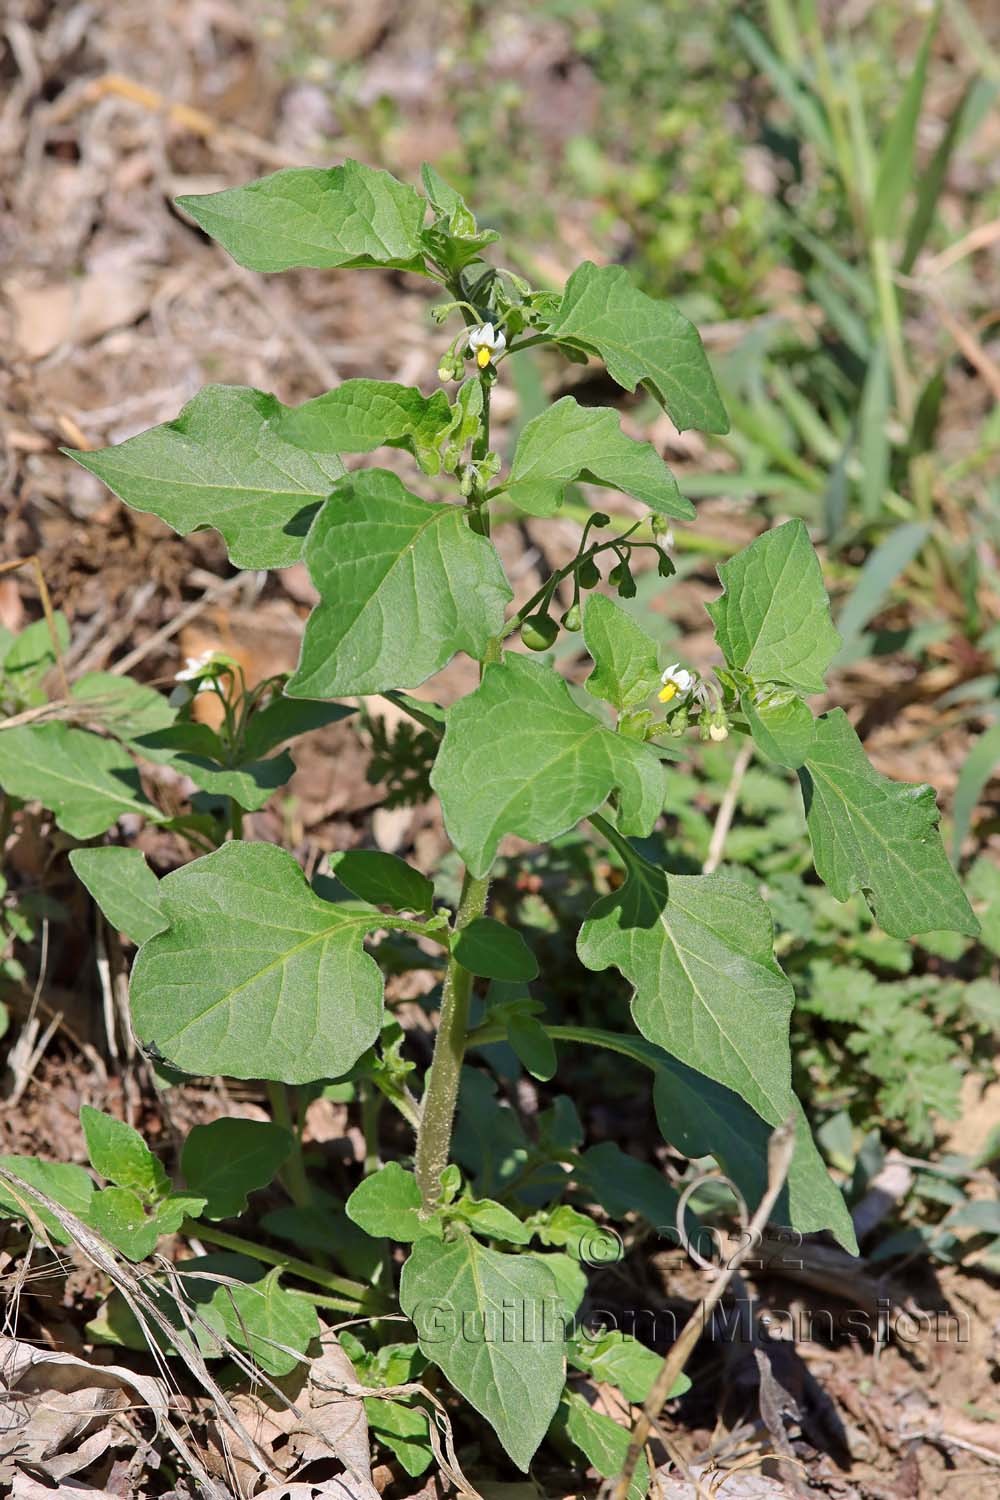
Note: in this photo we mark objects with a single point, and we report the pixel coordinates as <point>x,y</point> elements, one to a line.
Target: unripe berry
<point>538,632</point>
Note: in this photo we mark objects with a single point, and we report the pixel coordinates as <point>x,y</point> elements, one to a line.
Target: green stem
<point>371,1107</point>
<point>892,328</point>
<point>293,1175</point>
<point>360,1296</point>
<point>541,597</point>
<point>441,1092</point>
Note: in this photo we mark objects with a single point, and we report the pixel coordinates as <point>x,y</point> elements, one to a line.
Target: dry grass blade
<point>146,1312</point>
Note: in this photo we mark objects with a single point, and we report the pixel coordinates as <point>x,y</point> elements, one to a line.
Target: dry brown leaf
<point>52,1397</point>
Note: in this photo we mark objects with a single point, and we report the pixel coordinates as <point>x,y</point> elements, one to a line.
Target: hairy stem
<point>438,1115</point>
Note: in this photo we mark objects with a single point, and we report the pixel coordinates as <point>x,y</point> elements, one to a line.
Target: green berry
<point>571,619</point>
<point>538,632</point>
<point>588,573</point>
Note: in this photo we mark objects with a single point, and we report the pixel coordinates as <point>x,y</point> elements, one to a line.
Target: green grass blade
<point>894,177</point>
<point>802,104</point>
<point>979,766</point>
<point>876,578</point>
<point>932,181</point>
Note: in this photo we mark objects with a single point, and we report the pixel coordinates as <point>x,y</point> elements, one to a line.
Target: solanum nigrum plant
<point>246,970</point>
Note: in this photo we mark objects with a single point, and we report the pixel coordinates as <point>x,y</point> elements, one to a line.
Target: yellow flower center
<point>483,356</point>
<point>668,691</point>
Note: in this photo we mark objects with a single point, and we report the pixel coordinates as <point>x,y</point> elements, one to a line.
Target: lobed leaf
<point>222,463</point>
<point>404,586</point>
<point>255,976</point>
<point>567,442</point>
<point>491,1323</point>
<point>641,341</point>
<point>773,620</point>
<point>518,756</point>
<point>364,414</point>
<point>879,837</point>
<point>350,215</point>
<point>708,988</point>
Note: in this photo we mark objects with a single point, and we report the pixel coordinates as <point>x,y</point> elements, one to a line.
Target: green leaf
<point>257,1315</point>
<point>172,1210</point>
<point>977,771</point>
<point>30,656</point>
<point>518,756</point>
<point>493,950</point>
<point>879,837</point>
<point>256,977</point>
<point>782,727</point>
<point>701,1118</point>
<point>349,215</point>
<point>386,1205</point>
<point>124,887</point>
<point>68,1185</point>
<point>87,783</point>
<point>123,708</point>
<point>617,1359</point>
<point>491,1220</point>
<point>569,442</point>
<point>364,414</point>
<point>285,719</point>
<point>773,620</point>
<point>227,1159</point>
<point>641,341</point>
<point>623,1184</point>
<point>118,1214</point>
<point>603,1443</point>
<point>120,1154</point>
<point>585,1239</point>
<point>895,167</point>
<point>403,1430</point>
<point>196,751</point>
<point>533,1045</point>
<point>404,585</point>
<point>490,1323</point>
<point>626,660</point>
<point>221,463</point>
<point>708,988</point>
<point>383,879</point>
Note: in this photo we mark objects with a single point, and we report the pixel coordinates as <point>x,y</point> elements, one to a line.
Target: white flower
<point>484,344</point>
<point>677,682</point>
<point>194,671</point>
<point>194,666</point>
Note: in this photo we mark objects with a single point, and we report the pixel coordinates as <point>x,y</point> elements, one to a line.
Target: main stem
<point>441,1091</point>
